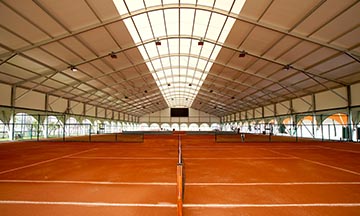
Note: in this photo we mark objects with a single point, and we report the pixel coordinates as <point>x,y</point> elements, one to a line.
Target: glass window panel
<point>131,28</point>
<point>172,21</point>
<point>186,21</point>
<point>167,72</point>
<point>238,6</point>
<point>134,5</point>
<point>120,6</point>
<point>157,23</point>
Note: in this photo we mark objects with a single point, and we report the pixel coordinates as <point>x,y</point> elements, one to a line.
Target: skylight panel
<point>224,4</point>
<point>169,65</point>
<point>207,49</point>
<point>215,52</point>
<point>238,6</point>
<point>193,62</point>
<point>152,3</point>
<point>208,3</point>
<point>142,52</point>
<point>186,21</point>
<point>120,6</point>
<point>157,23</point>
<point>201,64</point>
<point>216,23</point>
<point>151,49</point>
<point>172,21</point>
<point>143,26</point>
<point>157,64</point>
<point>174,45</point>
<point>165,61</point>
<point>132,30</point>
<point>187,2</point>
<point>135,5</point>
<point>185,45</point>
<point>171,1</point>
<point>201,22</point>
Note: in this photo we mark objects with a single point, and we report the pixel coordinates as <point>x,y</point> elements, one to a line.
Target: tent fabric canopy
<point>252,53</point>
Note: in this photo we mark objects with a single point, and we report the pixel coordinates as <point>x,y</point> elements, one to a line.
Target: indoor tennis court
<point>56,178</point>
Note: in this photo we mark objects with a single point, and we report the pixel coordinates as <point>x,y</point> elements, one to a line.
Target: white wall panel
<point>76,107</point>
<point>109,114</point>
<point>258,112</point>
<point>250,114</point>
<point>329,100</point>
<point>282,108</point>
<point>57,104</point>
<point>5,95</point>
<point>269,110</point>
<point>355,94</point>
<point>90,110</point>
<point>299,105</point>
<point>31,100</point>
<point>100,112</point>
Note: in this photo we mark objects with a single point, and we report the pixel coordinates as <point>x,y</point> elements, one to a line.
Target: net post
<point>179,180</point>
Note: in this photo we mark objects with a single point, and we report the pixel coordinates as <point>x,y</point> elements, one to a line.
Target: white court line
<point>126,158</point>
<point>94,204</point>
<point>242,158</point>
<point>46,161</point>
<point>342,150</point>
<point>272,205</point>
<point>88,182</point>
<point>316,162</point>
<point>271,183</point>
<point>170,205</point>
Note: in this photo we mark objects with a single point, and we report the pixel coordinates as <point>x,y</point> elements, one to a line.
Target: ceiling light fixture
<point>201,42</point>
<point>158,42</point>
<point>169,84</point>
<point>126,97</point>
<point>211,91</point>
<point>287,67</point>
<point>73,68</point>
<point>190,84</point>
<point>146,91</point>
<point>232,97</point>
<point>242,54</point>
<point>113,55</point>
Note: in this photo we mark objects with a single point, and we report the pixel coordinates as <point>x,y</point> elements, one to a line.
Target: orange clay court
<point>140,178</point>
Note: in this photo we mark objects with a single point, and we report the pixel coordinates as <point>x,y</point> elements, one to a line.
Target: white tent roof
<point>292,48</point>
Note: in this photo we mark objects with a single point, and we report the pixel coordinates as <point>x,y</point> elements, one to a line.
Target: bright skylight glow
<point>179,61</point>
